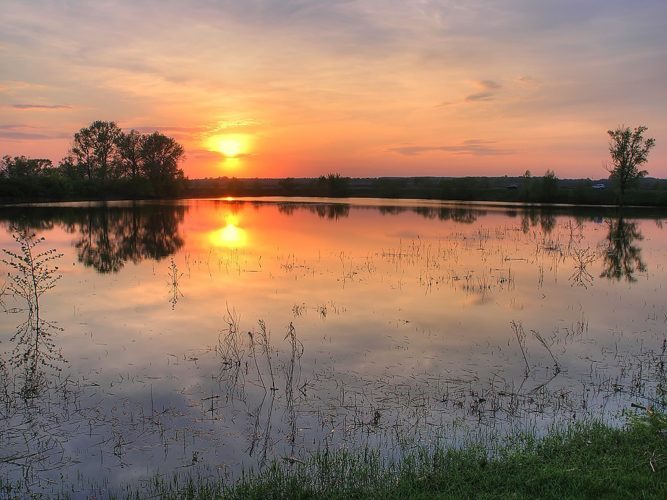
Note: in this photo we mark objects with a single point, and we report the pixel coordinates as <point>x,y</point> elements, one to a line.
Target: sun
<point>230,146</point>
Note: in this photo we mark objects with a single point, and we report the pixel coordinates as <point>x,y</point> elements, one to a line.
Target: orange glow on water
<point>229,236</point>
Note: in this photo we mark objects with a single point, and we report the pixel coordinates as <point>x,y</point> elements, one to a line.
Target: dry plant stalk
<point>520,335</point>
<point>33,274</point>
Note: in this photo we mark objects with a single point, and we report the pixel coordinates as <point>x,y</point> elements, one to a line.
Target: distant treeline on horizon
<point>523,189</point>
<point>106,163</point>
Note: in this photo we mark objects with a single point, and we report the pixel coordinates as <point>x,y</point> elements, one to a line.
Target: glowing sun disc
<point>230,146</point>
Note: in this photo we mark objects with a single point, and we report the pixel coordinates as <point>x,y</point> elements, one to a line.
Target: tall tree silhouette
<point>629,150</point>
<point>93,148</point>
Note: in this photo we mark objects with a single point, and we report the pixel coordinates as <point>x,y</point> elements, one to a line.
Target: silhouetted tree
<point>629,150</point>
<point>21,167</point>
<point>93,148</point>
<point>129,148</point>
<point>287,185</point>
<point>69,168</point>
<point>527,188</point>
<point>387,187</point>
<point>549,186</point>
<point>333,184</point>
<point>161,155</point>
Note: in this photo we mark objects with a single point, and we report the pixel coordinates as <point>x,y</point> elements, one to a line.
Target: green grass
<point>586,461</point>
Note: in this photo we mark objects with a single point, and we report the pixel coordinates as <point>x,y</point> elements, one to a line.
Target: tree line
<point>106,162</point>
<point>103,162</point>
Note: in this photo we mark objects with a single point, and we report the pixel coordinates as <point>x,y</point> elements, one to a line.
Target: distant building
<point>599,186</point>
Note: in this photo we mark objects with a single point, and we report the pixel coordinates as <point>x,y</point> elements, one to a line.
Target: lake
<point>215,336</point>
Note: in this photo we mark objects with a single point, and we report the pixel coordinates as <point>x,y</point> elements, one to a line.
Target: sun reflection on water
<point>231,235</point>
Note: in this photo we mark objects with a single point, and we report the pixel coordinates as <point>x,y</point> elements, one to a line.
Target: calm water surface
<point>214,336</point>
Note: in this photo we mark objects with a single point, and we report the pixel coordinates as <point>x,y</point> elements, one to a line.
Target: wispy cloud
<point>489,84</point>
<point>528,81</point>
<point>224,126</point>
<point>204,154</point>
<point>147,129</point>
<point>481,96</point>
<point>15,85</point>
<point>25,133</point>
<point>474,147</point>
<point>41,106</point>
<point>227,125</point>
<point>488,91</point>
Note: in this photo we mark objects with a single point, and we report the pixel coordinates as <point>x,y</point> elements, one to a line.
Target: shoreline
<point>584,460</point>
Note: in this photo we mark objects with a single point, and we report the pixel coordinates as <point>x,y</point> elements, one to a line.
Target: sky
<point>364,88</point>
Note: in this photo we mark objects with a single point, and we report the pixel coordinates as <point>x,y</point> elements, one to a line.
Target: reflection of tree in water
<point>532,217</point>
<point>547,222</point>
<point>95,248</point>
<point>335,211</point>
<point>463,215</point>
<point>109,236</point>
<point>287,208</point>
<point>328,211</point>
<point>389,210</point>
<point>622,258</point>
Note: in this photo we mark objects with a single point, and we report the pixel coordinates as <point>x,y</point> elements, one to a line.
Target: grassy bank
<point>586,461</point>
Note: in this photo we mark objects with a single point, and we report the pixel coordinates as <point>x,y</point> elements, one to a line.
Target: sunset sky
<point>276,88</point>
